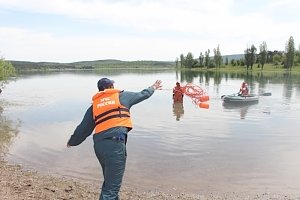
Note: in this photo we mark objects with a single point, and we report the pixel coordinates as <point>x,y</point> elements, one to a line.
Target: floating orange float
<point>203,105</point>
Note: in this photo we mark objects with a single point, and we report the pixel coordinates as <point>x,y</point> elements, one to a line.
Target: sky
<point>85,30</point>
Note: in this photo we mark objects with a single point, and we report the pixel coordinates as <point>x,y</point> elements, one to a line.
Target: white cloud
<point>161,30</point>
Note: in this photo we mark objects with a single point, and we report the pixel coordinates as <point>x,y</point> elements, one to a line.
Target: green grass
<point>267,68</point>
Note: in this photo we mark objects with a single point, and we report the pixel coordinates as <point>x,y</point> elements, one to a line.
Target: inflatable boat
<point>237,99</point>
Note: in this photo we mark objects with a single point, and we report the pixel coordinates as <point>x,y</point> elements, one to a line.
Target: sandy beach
<point>17,183</point>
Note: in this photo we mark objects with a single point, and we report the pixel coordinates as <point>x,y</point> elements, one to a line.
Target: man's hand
<point>157,85</point>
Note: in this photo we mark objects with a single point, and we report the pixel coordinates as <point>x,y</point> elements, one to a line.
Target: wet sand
<point>17,183</point>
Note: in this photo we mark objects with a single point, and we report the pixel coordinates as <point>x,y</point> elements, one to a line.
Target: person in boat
<point>110,120</point>
<point>244,90</point>
<point>178,93</point>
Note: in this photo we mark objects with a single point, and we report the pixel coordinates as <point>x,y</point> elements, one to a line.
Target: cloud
<point>139,15</point>
<point>23,44</point>
<point>147,29</point>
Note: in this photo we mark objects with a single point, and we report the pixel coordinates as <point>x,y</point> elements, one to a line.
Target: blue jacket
<point>87,125</point>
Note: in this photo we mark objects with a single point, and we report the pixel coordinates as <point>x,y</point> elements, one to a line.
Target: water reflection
<point>8,131</point>
<point>178,110</point>
<point>241,108</point>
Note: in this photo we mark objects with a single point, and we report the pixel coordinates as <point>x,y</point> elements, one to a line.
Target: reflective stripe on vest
<point>108,111</point>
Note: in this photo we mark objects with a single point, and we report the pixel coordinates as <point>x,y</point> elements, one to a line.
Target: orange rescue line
<point>197,94</point>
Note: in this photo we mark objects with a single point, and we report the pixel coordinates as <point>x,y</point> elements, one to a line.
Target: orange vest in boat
<point>108,111</point>
<point>244,89</point>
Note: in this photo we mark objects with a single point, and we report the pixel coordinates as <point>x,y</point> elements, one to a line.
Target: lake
<point>174,148</point>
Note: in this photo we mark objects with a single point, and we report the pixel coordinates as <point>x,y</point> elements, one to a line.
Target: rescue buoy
<point>203,105</point>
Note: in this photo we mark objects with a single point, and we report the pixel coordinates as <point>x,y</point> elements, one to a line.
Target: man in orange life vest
<point>244,90</point>
<point>109,116</point>
<point>178,93</point>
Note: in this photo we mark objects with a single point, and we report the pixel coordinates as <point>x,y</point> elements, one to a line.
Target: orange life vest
<point>108,111</point>
<point>244,89</point>
<point>178,94</point>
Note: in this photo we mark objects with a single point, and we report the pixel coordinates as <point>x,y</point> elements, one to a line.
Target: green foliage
<point>6,69</point>
<point>250,55</point>
<point>207,58</point>
<point>277,59</point>
<point>233,62</point>
<point>189,60</point>
<point>263,54</point>
<point>182,60</point>
<point>289,53</point>
<point>176,62</point>
<point>297,57</point>
<point>288,58</point>
<point>242,62</point>
<point>201,60</point>
<point>212,64</point>
<point>247,57</point>
<point>217,57</point>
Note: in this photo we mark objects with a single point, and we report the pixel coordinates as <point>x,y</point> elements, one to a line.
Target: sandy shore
<point>19,184</point>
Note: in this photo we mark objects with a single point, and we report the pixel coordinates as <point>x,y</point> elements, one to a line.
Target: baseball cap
<point>104,83</point>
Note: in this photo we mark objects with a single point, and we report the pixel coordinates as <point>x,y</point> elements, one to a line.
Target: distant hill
<point>25,65</point>
<point>98,64</point>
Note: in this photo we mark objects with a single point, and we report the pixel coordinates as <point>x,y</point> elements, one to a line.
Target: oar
<point>266,94</point>
<point>231,94</point>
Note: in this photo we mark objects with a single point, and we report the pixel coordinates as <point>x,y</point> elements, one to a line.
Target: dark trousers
<point>112,157</point>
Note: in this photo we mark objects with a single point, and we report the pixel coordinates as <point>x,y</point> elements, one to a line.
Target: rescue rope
<point>197,94</point>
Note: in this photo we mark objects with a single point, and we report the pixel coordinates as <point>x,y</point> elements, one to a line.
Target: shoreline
<point>17,183</point>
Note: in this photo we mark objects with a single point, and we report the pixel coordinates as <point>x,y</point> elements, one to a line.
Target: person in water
<point>178,93</point>
<point>244,90</point>
<point>110,117</point>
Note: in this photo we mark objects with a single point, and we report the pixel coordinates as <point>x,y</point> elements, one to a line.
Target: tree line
<point>6,69</point>
<point>287,59</point>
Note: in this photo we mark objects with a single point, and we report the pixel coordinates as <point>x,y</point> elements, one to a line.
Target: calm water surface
<point>172,147</point>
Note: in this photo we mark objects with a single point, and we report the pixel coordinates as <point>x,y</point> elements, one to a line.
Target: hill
<point>97,64</point>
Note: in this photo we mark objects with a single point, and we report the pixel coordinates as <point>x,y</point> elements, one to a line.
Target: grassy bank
<point>255,68</point>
